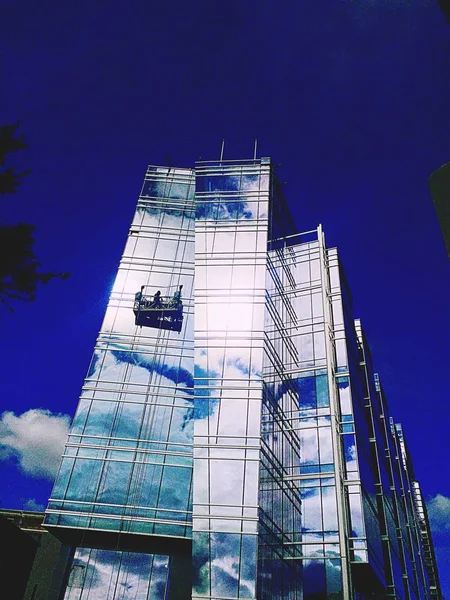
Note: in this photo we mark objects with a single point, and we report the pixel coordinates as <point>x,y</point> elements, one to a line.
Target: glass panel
<point>225,562</point>
<point>139,388</point>
<point>314,580</point>
<point>113,575</point>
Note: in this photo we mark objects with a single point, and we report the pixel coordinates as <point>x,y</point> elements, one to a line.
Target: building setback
<point>246,453</point>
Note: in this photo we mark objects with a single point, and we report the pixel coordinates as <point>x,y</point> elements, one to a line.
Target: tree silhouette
<point>19,267</point>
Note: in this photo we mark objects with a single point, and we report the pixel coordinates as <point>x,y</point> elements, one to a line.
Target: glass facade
<point>232,208</point>
<point>425,533</point>
<point>99,574</point>
<point>248,453</point>
<point>127,466</point>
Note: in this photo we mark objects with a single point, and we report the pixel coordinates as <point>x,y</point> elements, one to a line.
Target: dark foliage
<point>19,274</point>
<point>9,180</point>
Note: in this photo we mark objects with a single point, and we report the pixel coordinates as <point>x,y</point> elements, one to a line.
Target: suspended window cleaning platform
<point>160,312</point>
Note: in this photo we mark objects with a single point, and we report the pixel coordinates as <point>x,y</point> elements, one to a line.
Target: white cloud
<point>439,513</point>
<point>31,504</point>
<point>36,438</point>
<point>104,571</point>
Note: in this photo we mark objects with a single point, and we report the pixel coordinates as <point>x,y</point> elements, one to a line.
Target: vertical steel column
<point>335,414</point>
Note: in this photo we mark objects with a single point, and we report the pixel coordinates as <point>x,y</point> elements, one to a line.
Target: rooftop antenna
<point>221,150</point>
<point>255,149</point>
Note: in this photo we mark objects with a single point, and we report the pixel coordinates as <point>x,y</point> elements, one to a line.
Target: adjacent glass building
<point>246,453</point>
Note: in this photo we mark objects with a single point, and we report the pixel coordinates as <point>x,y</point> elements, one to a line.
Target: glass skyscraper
<point>247,452</point>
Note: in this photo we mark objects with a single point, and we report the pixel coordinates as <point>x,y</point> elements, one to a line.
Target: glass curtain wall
<point>417,578</point>
<point>429,554</point>
<point>280,556</point>
<point>320,542</point>
<point>109,574</point>
<point>385,551</point>
<point>127,465</point>
<point>351,494</point>
<point>232,206</point>
<point>404,581</point>
<point>381,469</point>
<point>376,409</point>
<point>302,486</point>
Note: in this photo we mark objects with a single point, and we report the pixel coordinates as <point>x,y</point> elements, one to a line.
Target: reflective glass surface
<point>111,575</point>
<point>232,203</point>
<point>128,462</point>
<point>260,430</point>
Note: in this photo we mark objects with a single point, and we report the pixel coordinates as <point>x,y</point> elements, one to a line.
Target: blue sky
<point>350,97</point>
